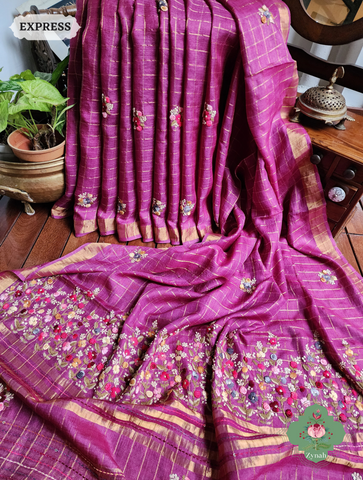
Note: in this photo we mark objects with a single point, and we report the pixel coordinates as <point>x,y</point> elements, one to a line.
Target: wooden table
<point>339,158</point>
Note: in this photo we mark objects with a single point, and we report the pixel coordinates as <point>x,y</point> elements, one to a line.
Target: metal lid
<point>324,103</point>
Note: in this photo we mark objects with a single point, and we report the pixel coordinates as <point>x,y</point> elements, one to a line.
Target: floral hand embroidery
<point>137,255</point>
<point>162,5</point>
<point>5,396</point>
<point>121,207</point>
<point>176,117</point>
<point>62,328</point>
<point>107,106</point>
<point>174,476</point>
<point>248,285</point>
<point>157,207</point>
<point>86,199</point>
<point>261,381</point>
<point>327,277</point>
<point>266,15</point>
<point>186,207</point>
<point>139,120</point>
<point>208,115</point>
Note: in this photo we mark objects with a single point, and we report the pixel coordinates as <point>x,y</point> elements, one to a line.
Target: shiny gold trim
<point>181,408</point>
<point>85,226</point>
<point>238,464</point>
<point>298,142</point>
<point>85,253</point>
<point>260,429</point>
<point>7,279</point>
<point>147,232</point>
<point>174,236</point>
<point>205,231</point>
<point>194,467</point>
<point>128,231</point>
<point>60,212</point>
<point>213,236</point>
<point>150,426</point>
<point>284,14</point>
<point>189,234</point>
<point>106,225</point>
<point>161,235</point>
<point>313,196</point>
<point>341,461</point>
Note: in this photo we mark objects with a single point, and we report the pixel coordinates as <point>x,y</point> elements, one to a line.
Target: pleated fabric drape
<point>155,92</point>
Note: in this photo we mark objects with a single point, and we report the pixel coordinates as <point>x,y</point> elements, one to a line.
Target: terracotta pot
<point>21,147</point>
<point>32,182</point>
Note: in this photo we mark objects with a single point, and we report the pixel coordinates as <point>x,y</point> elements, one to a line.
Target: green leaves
<point>60,120</point>
<point>42,91</point>
<point>6,96</point>
<point>26,75</point>
<point>43,76</point>
<point>26,103</point>
<point>3,115</point>
<point>11,85</point>
<point>34,92</point>
<point>59,70</point>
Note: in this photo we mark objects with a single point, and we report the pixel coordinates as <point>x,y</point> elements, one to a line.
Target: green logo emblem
<point>316,433</point>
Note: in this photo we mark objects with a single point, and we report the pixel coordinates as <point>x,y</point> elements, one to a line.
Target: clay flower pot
<point>21,147</point>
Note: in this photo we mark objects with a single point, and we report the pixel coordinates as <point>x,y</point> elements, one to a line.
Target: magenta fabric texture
<point>188,363</point>
<point>154,181</point>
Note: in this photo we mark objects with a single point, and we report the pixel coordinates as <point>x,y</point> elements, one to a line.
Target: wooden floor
<point>26,241</point>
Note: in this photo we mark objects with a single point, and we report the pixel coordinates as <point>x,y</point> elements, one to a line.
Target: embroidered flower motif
<point>86,199</point>
<point>280,390</point>
<point>5,396</point>
<point>186,207</point>
<point>139,120</point>
<point>342,418</point>
<point>137,255</point>
<point>266,15</point>
<point>157,207</point>
<point>253,397</point>
<point>252,381</point>
<point>327,277</point>
<point>356,476</point>
<point>176,117</point>
<point>208,115</point>
<point>121,207</point>
<point>162,5</point>
<point>107,106</point>
<point>248,285</point>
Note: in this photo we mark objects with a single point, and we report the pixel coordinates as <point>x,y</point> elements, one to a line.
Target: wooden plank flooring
<point>26,241</point>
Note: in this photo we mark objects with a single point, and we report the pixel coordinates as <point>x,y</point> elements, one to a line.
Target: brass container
<point>41,182</point>
<point>324,103</point>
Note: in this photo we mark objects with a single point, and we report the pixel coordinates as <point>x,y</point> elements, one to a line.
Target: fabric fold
<point>187,363</point>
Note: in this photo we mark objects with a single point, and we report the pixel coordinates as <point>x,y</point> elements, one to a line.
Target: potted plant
<point>23,95</point>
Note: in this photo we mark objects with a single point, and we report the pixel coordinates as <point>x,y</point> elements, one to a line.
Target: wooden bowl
<point>21,147</point>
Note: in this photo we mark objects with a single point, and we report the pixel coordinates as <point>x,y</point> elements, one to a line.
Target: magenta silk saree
<point>188,363</point>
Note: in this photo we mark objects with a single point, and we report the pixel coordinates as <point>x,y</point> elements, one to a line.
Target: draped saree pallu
<point>188,363</point>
